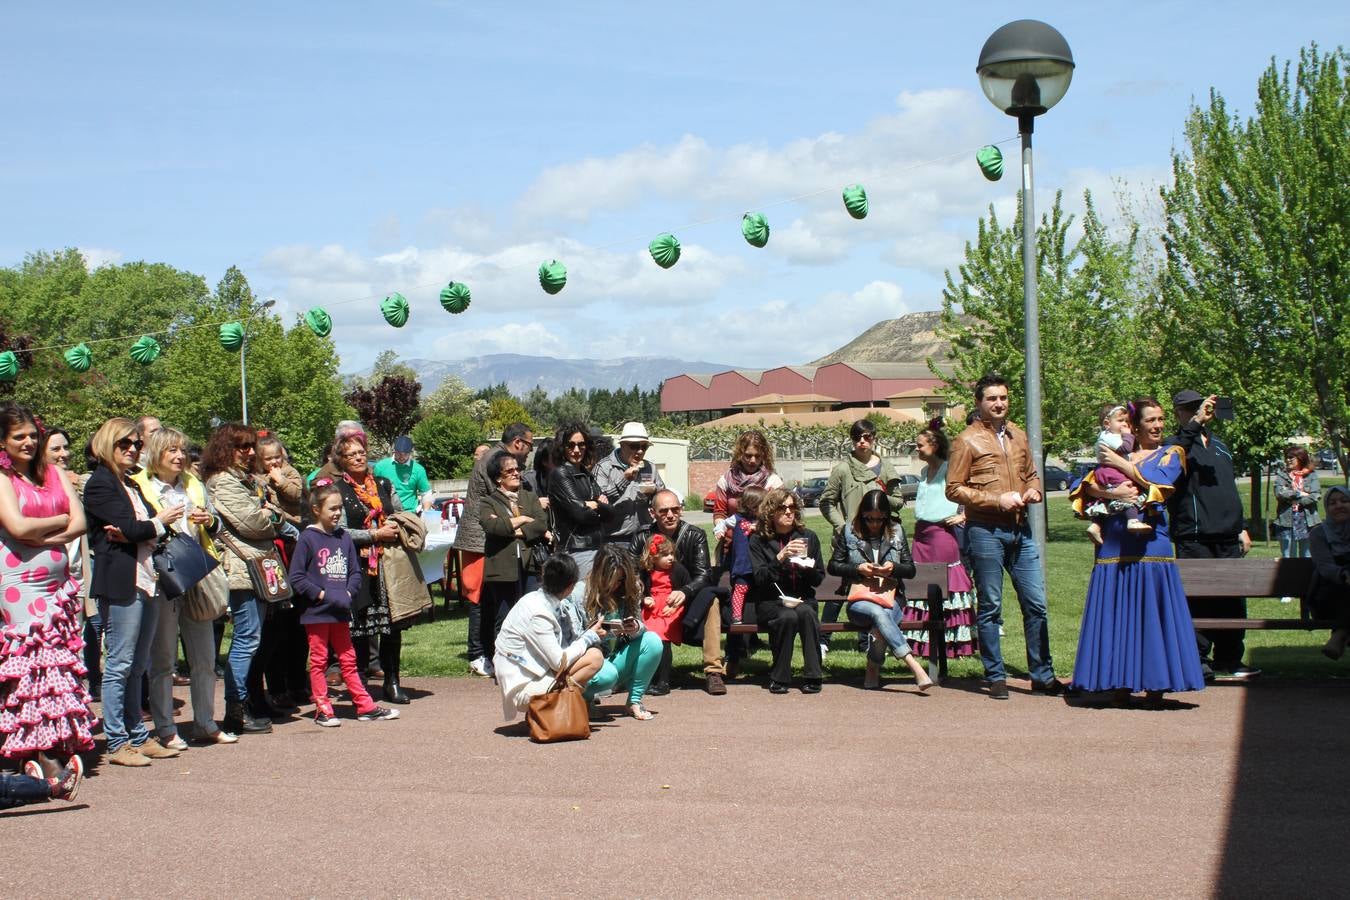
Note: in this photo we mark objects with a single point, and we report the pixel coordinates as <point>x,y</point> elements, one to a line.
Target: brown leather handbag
<point>559,714</point>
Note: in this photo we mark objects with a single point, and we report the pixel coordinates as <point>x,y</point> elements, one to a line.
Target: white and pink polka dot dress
<point>43,704</point>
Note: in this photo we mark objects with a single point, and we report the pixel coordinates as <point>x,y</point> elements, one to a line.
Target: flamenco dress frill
<point>1137,632</point>
<point>935,543</point>
<point>43,703</point>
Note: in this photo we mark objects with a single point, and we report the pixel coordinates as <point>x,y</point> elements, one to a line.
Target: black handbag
<point>181,563</point>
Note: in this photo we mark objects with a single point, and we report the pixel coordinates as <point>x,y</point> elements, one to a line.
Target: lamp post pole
<point>1025,68</point>
<point>1031,316</point>
<point>243,359</point>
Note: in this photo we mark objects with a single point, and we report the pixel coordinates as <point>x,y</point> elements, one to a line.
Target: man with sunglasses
<point>700,597</point>
<point>517,440</point>
<point>629,481</point>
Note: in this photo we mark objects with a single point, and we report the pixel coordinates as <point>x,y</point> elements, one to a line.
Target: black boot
<point>660,685</point>
<point>391,648</point>
<point>240,721</point>
<point>392,692</point>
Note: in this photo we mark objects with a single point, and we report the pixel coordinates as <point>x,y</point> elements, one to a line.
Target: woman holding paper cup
<point>787,567</point>
<point>872,555</point>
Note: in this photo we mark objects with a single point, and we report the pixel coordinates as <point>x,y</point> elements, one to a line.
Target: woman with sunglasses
<point>512,520</point>
<point>247,529</point>
<point>579,507</point>
<point>872,556</point>
<point>46,707</point>
<point>787,567</point>
<point>123,531</point>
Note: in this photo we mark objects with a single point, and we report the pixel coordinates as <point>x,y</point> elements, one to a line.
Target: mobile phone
<point>629,623</point>
<point>1223,409</point>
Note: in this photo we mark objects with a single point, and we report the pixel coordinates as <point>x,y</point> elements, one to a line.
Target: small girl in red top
<point>661,575</point>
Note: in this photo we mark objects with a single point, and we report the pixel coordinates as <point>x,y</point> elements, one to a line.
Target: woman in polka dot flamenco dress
<point>44,708</point>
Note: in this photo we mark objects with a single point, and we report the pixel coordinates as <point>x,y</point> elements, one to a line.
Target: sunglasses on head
<point>127,443</point>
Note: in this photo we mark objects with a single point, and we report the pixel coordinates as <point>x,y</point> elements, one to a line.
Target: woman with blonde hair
<point>166,481</point>
<point>123,531</point>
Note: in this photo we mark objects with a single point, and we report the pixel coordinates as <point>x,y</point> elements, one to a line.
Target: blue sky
<point>340,151</point>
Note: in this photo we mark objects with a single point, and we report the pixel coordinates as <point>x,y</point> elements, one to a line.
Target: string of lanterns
<point>455,296</point>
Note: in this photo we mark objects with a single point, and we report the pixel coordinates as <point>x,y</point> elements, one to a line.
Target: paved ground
<point>848,793</point>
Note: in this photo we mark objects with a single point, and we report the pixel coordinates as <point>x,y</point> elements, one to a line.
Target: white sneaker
<point>481,666</point>
<point>824,650</point>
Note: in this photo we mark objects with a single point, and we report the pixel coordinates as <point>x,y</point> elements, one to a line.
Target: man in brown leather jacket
<point>992,475</point>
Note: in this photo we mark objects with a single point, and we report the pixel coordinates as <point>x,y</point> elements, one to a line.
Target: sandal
<point>638,711</point>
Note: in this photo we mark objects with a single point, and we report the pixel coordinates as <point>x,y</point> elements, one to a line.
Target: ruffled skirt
<point>934,543</point>
<point>43,703</point>
<point>1137,632</point>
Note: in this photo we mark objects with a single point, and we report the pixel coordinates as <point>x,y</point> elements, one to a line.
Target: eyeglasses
<point>874,518</point>
<point>528,445</point>
<point>576,445</point>
<point>666,510</point>
<point>130,443</point>
<point>864,437</point>
<point>637,447</point>
<point>506,472</point>
<point>789,507</point>
<point>354,454</point>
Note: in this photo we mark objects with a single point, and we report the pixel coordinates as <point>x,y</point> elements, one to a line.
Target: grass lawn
<point>438,648</point>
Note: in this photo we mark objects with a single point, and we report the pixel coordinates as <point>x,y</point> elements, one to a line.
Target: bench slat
<point>1246,577</point>
<point>1265,624</point>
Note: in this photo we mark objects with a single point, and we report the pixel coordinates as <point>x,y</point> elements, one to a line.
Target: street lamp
<point>1025,68</point>
<point>243,356</point>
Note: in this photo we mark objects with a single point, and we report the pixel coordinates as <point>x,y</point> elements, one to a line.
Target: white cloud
<point>94,257</point>
<point>530,338</point>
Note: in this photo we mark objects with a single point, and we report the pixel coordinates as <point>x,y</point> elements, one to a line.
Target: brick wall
<point>703,475</point>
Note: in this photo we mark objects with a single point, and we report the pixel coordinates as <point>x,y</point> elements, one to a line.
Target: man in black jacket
<point>1207,523</point>
<point>702,611</point>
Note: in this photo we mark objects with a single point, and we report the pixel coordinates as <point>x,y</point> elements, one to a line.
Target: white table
<point>432,556</point>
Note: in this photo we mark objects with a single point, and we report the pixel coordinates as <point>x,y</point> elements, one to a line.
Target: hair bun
<point>935,423</point>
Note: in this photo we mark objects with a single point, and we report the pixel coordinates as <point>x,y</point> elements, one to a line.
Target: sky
<point>338,152</point>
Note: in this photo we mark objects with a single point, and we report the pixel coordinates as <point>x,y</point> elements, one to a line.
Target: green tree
<point>1088,294</point>
<point>505,411</point>
<point>451,397</point>
<point>445,444</point>
<point>1255,298</point>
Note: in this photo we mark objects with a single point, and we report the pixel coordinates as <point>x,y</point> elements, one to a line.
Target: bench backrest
<point>1246,577</point>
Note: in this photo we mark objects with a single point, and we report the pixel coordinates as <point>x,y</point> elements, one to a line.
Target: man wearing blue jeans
<point>992,475</point>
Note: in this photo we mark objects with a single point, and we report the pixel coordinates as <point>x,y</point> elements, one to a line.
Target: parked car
<point>1057,479</point>
<point>1326,459</point>
<point>708,500</point>
<point>808,492</point>
<point>909,487</point>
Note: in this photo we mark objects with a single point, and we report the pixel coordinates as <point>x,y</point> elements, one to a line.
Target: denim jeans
<point>199,642</point>
<point>246,616</point>
<point>994,548</point>
<point>128,630</point>
<point>1291,547</point>
<point>868,614</point>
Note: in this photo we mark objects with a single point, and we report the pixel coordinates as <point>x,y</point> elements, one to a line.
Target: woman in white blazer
<point>544,629</point>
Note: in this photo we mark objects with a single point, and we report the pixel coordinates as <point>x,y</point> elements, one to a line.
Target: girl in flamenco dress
<point>44,708</point>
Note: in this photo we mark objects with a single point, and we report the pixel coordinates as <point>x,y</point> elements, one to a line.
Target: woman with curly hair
<point>751,466</point>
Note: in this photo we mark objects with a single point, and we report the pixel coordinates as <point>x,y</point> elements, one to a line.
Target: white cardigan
<point>529,646</point>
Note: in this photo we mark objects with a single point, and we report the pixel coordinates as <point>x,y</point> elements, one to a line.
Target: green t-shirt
<point>409,481</point>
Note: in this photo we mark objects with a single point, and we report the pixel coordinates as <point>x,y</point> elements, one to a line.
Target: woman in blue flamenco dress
<point>1137,633</point>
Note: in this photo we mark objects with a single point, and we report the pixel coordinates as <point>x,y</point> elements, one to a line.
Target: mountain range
<point>556,376</point>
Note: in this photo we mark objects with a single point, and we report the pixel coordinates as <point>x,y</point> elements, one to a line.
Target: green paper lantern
<point>395,310</point>
<point>990,159</point>
<point>855,201</point>
<point>552,276</point>
<point>665,250</point>
<point>455,296</point>
<point>79,358</point>
<point>755,229</point>
<point>146,350</point>
<point>319,321</point>
<point>231,336</point>
<point>9,366</point>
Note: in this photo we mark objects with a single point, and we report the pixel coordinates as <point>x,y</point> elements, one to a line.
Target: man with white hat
<point>630,482</point>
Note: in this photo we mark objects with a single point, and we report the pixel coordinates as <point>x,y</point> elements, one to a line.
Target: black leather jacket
<point>691,551</point>
<point>578,526</point>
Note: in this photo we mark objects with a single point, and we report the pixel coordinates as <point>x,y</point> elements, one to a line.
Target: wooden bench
<point>929,583</point>
<point>1203,578</point>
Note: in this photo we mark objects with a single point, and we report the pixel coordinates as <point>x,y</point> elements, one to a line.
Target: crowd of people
<point>579,565</point>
